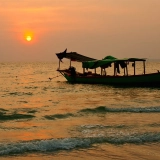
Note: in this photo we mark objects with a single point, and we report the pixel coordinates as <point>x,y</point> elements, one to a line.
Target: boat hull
<point>152,79</point>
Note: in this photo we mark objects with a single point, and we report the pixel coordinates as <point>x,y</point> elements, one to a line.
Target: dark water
<point>43,119</point>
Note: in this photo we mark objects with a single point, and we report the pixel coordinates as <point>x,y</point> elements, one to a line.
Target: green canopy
<point>107,61</point>
<point>109,57</point>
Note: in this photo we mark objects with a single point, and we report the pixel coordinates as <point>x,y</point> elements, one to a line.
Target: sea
<point>43,117</point>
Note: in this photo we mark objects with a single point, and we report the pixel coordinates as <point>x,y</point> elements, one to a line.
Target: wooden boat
<point>151,79</point>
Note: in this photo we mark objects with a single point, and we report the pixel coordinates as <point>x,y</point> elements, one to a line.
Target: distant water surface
<point>52,119</point>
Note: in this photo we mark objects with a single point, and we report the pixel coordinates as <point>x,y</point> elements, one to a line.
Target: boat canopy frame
<point>91,63</point>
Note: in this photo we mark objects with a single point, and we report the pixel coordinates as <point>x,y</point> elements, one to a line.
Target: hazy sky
<point>95,28</point>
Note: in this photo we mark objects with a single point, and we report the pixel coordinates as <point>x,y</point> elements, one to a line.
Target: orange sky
<point>95,28</point>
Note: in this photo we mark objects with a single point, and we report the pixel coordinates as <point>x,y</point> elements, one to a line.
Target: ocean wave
<point>58,116</point>
<point>98,126</point>
<point>52,145</point>
<point>20,93</point>
<point>103,109</point>
<point>14,116</point>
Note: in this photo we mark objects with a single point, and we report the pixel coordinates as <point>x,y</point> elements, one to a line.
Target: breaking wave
<point>103,109</point>
<point>53,145</point>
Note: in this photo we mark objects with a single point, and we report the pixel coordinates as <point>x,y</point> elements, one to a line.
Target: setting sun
<point>28,38</point>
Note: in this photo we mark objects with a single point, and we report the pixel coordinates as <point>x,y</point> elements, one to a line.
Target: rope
<point>50,78</point>
<point>54,77</point>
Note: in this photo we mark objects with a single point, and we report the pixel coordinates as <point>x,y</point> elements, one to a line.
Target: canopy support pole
<point>59,64</point>
<point>114,69</point>
<point>127,69</point>
<point>134,68</point>
<point>144,67</point>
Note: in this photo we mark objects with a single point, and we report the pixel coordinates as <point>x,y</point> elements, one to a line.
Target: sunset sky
<point>34,30</point>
